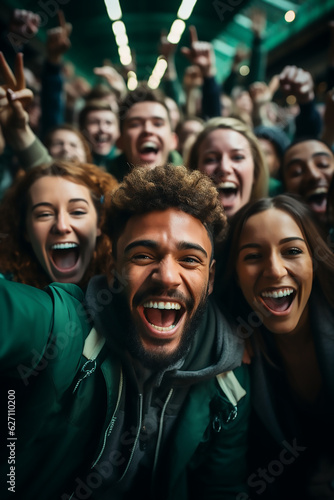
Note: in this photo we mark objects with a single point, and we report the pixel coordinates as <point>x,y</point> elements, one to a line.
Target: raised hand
<point>58,39</point>
<point>14,100</point>
<point>200,54</point>
<point>298,82</point>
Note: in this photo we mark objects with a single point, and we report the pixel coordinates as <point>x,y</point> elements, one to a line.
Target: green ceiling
<point>224,22</point>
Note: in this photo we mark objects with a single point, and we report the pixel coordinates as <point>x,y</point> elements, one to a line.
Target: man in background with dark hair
<point>146,136</point>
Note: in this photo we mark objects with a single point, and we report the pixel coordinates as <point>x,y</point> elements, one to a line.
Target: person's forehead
<point>101,113</point>
<point>306,149</point>
<point>65,134</point>
<point>147,109</point>
<point>166,226</point>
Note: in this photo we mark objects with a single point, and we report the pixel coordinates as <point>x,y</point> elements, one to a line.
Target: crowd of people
<point>166,286</point>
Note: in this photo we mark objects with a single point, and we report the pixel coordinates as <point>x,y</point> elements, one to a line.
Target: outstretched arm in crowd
<point>298,82</point>
<point>52,94</point>
<point>202,55</point>
<point>14,99</point>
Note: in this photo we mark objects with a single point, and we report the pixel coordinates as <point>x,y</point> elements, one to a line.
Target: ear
<point>212,272</point>
<point>174,141</point>
<point>98,232</point>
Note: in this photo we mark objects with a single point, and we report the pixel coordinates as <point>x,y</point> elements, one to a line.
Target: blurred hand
<point>24,23</point>
<point>200,54</point>
<point>166,49</point>
<point>14,98</point>
<point>58,39</point>
<point>295,81</point>
<point>260,93</point>
<point>114,79</point>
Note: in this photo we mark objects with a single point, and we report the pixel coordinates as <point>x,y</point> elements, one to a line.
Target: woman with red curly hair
<point>52,224</point>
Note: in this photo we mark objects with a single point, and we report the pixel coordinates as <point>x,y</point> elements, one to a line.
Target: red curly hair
<point>16,255</point>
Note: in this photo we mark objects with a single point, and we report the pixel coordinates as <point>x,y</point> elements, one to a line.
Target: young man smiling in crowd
<point>146,135</point>
<point>146,403</point>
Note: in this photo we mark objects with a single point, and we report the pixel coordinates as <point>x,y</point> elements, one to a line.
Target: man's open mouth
<point>148,149</point>
<point>163,316</point>
<point>64,255</point>
<point>278,300</point>
<point>317,199</point>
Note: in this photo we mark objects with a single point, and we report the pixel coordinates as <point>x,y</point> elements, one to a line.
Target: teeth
<point>227,185</point>
<point>278,294</point>
<point>149,144</point>
<point>162,305</point>
<point>318,190</point>
<point>163,328</point>
<point>64,246</point>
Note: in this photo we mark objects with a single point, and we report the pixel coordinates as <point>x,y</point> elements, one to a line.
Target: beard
<point>158,359</point>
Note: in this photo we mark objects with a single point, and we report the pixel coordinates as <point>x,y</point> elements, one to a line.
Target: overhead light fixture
<point>176,31</point>
<point>186,9</point>
<point>113,9</point>
<point>244,70</point>
<point>122,40</point>
<point>157,73</point>
<point>118,28</point>
<point>290,16</point>
<point>132,83</point>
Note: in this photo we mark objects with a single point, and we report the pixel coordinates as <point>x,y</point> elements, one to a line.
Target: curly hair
<point>16,255</point>
<point>164,187</point>
<point>261,173</point>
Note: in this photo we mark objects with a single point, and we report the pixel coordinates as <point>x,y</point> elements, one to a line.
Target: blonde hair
<point>261,174</point>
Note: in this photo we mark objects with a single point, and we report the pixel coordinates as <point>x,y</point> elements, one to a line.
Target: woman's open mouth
<point>64,256</point>
<point>279,300</point>
<point>162,317</point>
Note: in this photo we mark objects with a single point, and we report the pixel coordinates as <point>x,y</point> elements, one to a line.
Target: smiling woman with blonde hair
<point>228,152</point>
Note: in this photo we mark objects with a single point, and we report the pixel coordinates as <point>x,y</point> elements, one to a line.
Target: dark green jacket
<point>67,404</point>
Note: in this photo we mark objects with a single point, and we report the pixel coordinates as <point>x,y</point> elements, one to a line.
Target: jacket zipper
<point>113,418</point>
<point>157,449</point>
<point>137,436</point>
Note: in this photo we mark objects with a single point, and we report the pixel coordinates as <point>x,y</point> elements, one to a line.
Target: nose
<point>148,126</point>
<point>62,223</point>
<point>167,273</point>
<point>275,267</point>
<point>313,173</point>
<point>224,167</point>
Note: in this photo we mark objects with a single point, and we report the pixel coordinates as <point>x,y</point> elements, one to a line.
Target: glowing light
<point>124,51</point>
<point>125,59</point>
<point>290,16</point>
<point>122,40</point>
<point>176,31</point>
<point>291,100</point>
<point>244,70</point>
<point>132,80</point>
<point>118,28</point>
<point>153,83</point>
<point>186,9</point>
<point>113,9</point>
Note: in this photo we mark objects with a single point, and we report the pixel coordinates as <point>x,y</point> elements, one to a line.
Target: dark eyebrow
<point>145,118</point>
<point>291,238</point>
<point>182,245</point>
<point>47,204</point>
<point>281,242</point>
<point>300,160</point>
<point>249,245</point>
